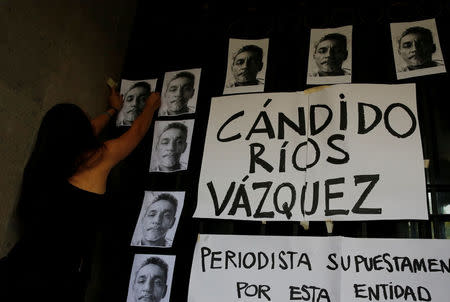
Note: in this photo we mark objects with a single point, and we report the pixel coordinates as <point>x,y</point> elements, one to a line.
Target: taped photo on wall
<point>330,56</point>
<point>158,219</point>
<point>171,145</point>
<point>416,47</point>
<point>180,92</point>
<point>134,93</point>
<point>247,63</point>
<point>151,278</point>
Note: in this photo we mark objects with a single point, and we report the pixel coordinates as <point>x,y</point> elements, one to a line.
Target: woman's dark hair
<point>65,135</point>
<point>63,142</point>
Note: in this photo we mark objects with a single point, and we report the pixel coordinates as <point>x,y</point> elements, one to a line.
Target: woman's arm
<point>115,104</point>
<point>119,148</point>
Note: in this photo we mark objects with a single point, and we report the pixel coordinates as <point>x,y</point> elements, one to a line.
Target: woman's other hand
<point>154,101</point>
<point>115,100</point>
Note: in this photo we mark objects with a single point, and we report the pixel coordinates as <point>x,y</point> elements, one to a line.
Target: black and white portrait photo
<point>171,145</point>
<point>247,62</point>
<point>151,278</point>
<point>179,92</point>
<point>417,50</point>
<point>134,94</point>
<point>158,219</point>
<point>330,56</point>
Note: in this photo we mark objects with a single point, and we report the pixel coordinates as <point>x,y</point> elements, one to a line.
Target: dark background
<point>172,36</point>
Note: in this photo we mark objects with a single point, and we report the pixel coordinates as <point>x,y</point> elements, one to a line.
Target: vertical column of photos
<point>151,276</point>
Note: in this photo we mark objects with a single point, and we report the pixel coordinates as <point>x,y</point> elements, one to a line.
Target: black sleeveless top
<point>59,226</point>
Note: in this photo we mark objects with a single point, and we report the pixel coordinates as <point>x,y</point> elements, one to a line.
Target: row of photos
<point>417,52</point>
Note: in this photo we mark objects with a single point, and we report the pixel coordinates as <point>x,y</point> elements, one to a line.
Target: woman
<point>62,190</point>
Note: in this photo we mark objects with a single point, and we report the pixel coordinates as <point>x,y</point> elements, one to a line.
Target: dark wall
<point>51,52</point>
<point>171,36</point>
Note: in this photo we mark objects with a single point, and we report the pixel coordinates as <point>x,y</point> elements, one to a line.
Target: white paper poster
<point>346,152</point>
<point>269,268</point>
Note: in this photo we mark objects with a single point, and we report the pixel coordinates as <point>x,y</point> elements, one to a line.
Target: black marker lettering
<point>362,119</point>
<point>286,208</point>
<point>316,159</point>
<point>219,209</point>
<point>284,120</point>
<point>263,185</point>
<point>241,194</point>
<point>282,165</point>
<point>231,138</point>
<point>373,179</point>
<point>255,158</point>
<point>315,201</point>
<point>388,125</point>
<point>266,129</point>
<point>328,196</point>
<point>343,109</point>
<point>205,253</point>
<point>337,161</point>
<point>332,259</point>
<point>312,117</point>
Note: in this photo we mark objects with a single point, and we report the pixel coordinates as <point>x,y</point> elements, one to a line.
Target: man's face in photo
<point>416,50</point>
<point>246,66</point>
<point>158,219</point>
<point>171,145</point>
<point>329,56</point>
<point>150,284</point>
<point>134,102</point>
<point>178,93</point>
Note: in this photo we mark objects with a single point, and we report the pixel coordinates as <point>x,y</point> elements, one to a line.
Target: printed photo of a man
<point>247,61</point>
<point>330,56</point>
<point>134,94</point>
<point>180,90</point>
<point>158,219</point>
<point>416,49</point>
<point>171,146</point>
<point>151,278</point>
